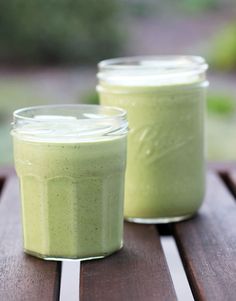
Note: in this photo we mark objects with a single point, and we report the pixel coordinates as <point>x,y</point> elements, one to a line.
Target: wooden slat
<point>22,277</point>
<point>207,245</point>
<point>138,272</point>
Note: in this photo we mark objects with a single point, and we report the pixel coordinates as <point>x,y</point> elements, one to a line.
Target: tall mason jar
<point>71,161</point>
<point>165,100</point>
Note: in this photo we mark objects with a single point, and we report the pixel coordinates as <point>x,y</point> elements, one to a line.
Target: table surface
<point>206,245</point>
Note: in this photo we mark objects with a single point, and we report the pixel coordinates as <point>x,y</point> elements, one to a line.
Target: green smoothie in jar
<point>71,164</point>
<point>165,101</point>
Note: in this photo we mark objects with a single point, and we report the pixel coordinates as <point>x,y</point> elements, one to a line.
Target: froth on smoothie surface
<point>67,129</point>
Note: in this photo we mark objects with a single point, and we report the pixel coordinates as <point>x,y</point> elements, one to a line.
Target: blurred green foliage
<point>142,8</point>
<point>220,104</point>
<point>90,97</point>
<point>199,5</point>
<point>223,50</point>
<point>52,31</point>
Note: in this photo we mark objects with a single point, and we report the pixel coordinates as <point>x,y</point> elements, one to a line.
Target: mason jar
<point>71,161</point>
<point>165,100</point>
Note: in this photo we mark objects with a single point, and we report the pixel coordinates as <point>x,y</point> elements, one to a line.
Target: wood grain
<point>207,245</point>
<point>22,277</point>
<point>138,272</point>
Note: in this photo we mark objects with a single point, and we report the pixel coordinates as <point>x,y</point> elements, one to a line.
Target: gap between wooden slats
<point>177,272</point>
<point>2,182</point>
<point>70,281</point>
<point>207,244</point>
<point>229,179</point>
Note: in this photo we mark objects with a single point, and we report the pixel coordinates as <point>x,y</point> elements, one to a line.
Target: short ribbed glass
<point>165,100</point>
<point>71,161</point>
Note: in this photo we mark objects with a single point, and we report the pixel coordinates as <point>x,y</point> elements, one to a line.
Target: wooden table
<point>206,244</point>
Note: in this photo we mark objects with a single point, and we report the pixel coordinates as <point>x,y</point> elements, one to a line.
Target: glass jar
<point>71,161</point>
<point>165,101</point>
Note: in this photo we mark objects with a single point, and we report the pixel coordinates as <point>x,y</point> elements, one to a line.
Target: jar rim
<point>160,71</point>
<point>68,122</point>
<point>17,113</point>
<point>155,63</point>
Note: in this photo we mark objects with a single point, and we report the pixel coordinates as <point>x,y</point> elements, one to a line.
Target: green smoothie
<point>165,177</point>
<point>72,192</point>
